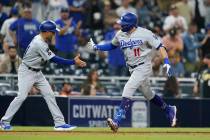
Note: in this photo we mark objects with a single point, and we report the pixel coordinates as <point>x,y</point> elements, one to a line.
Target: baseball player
<point>29,74</point>
<point>136,44</point>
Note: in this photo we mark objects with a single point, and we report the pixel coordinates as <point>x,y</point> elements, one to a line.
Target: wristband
<point>166,61</point>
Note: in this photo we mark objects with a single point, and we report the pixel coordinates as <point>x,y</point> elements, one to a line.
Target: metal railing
<point>157,83</point>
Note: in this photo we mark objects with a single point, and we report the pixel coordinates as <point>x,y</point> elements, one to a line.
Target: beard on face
<point>12,57</point>
<point>49,38</point>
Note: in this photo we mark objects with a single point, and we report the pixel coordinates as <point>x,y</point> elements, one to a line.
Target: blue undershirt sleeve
<point>106,47</point>
<point>62,61</point>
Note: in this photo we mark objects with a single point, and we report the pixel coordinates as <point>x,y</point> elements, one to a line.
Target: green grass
<point>47,133</point>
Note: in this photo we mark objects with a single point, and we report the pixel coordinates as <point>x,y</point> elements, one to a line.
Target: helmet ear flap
<point>126,28</point>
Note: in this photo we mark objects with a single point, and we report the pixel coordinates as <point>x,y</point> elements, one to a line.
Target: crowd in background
<point>183,25</point>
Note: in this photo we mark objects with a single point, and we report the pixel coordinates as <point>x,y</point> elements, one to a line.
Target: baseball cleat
<point>113,125</point>
<point>65,127</point>
<point>171,115</point>
<point>5,127</point>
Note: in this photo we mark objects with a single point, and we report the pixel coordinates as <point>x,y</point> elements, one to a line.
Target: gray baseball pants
<point>26,79</point>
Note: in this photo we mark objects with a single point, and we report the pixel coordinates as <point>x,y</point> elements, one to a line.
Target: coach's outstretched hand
<point>79,62</point>
<point>91,45</point>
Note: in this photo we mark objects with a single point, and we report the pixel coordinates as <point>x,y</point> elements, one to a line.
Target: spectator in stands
<point>117,65</point>
<point>173,42</point>
<point>206,42</point>
<point>171,88</point>
<point>201,87</point>
<point>42,9</point>
<point>34,91</point>
<point>65,40</point>
<point>92,85</point>
<point>96,15</point>
<point>198,12</point>
<point>24,29</point>
<point>19,5</point>
<point>184,10</point>
<point>3,15</point>
<point>164,5</point>
<point>67,90</point>
<point>177,65</point>
<point>143,13</point>
<point>175,20</point>
<point>109,15</point>
<point>8,42</point>
<point>6,2</point>
<point>157,29</point>
<point>125,7</point>
<point>115,3</point>
<point>77,10</point>
<point>207,17</point>
<point>191,41</point>
<point>55,8</point>
<point>11,62</point>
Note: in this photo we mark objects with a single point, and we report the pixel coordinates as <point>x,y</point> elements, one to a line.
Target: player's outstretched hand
<point>91,45</point>
<point>169,70</point>
<point>79,62</point>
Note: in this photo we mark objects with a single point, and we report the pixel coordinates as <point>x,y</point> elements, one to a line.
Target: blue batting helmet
<point>128,21</point>
<point>48,26</point>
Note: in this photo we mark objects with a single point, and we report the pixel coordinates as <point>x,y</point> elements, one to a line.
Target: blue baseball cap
<point>14,11</point>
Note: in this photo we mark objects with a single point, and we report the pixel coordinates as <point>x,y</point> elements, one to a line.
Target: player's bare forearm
<point>163,52</point>
<point>12,34</point>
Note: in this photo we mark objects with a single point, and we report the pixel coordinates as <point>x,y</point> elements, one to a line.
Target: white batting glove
<point>91,45</point>
<point>168,68</point>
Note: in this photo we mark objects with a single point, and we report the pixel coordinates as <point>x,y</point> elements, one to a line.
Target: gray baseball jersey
<point>37,53</point>
<point>136,46</point>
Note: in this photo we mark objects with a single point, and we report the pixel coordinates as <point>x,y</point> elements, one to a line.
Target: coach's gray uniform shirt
<point>37,53</point>
<point>137,48</point>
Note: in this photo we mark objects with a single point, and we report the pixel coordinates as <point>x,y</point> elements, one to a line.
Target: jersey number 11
<point>136,51</point>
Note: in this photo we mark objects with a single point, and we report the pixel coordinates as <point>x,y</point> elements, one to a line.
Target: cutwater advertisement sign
<point>94,111</point>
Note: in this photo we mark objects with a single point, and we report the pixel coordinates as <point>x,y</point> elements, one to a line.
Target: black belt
<point>134,66</point>
<point>33,69</point>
